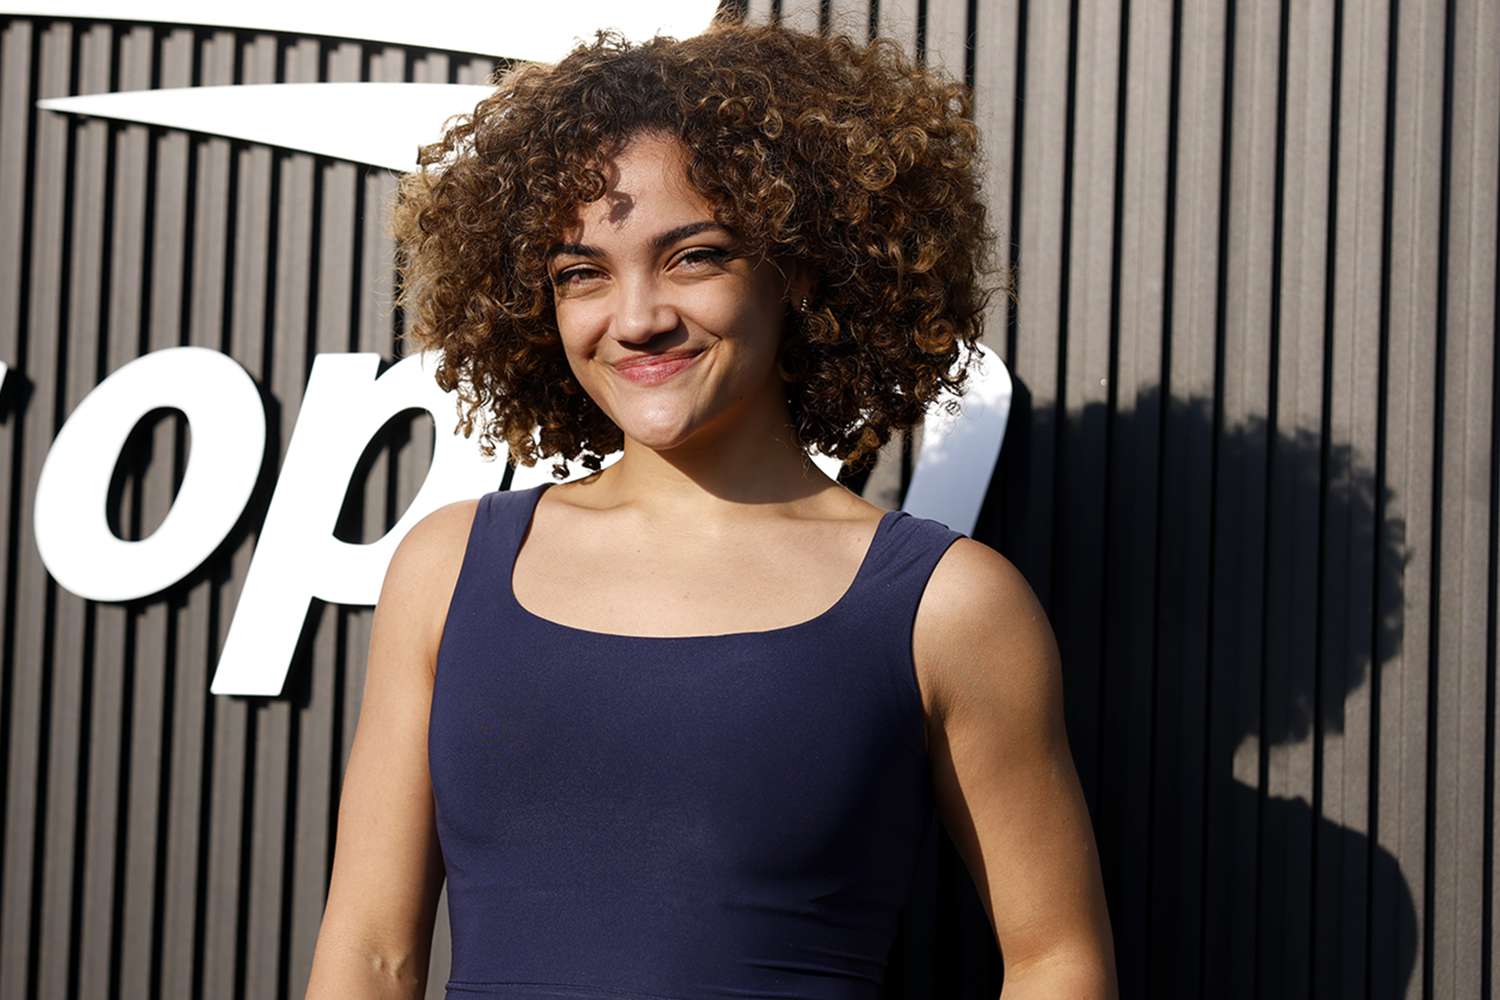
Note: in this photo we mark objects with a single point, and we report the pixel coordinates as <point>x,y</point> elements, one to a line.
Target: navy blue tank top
<point>674,817</point>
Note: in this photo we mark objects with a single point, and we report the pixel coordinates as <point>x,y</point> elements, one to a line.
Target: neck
<point>747,459</point>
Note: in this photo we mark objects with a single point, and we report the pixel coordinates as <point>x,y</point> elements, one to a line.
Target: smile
<point>655,372</point>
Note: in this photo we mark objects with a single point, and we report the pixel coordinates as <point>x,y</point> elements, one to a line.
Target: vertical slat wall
<point>160,841</point>
<point>1254,476</point>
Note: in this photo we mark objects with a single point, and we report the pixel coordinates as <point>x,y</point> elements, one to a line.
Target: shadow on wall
<point>1219,596</point>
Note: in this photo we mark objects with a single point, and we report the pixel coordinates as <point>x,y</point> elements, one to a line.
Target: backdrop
<point>1252,472</point>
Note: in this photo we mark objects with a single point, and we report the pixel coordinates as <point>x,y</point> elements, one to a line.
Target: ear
<point>801,282</point>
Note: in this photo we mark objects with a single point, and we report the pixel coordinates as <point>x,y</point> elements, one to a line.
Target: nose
<point>642,311</point>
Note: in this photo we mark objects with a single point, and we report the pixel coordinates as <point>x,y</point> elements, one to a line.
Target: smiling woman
<point>679,728</point>
<point>669,303</point>
<point>839,155</point>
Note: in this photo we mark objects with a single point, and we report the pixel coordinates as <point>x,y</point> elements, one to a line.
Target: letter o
<point>228,421</point>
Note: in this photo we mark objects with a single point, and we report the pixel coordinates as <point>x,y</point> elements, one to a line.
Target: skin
<point>715,507</point>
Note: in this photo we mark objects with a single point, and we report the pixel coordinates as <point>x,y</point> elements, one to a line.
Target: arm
<point>1003,775</point>
<point>376,936</point>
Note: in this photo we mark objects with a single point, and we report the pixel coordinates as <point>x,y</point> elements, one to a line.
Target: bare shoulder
<point>981,637</point>
<point>424,569</point>
<point>1003,774</point>
<point>438,539</point>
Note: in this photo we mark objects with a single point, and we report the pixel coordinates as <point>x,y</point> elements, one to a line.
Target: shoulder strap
<point>487,559</point>
<point>908,555</point>
<point>887,611</point>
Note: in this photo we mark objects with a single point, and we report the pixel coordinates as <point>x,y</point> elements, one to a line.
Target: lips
<point>657,359</point>
<point>654,368</point>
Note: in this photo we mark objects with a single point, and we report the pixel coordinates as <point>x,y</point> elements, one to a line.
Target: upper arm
<point>1003,774</point>
<point>387,868</point>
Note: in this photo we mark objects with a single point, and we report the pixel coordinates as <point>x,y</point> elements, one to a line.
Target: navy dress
<point>641,818</point>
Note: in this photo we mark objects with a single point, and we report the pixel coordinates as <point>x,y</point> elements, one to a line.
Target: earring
<point>803,307</point>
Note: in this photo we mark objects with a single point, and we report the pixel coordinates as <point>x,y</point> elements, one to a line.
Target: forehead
<point>646,188</point>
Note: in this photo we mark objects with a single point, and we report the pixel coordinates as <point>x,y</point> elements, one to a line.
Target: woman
<point>676,729</point>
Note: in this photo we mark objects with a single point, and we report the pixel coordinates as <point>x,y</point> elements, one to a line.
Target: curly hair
<point>842,154</point>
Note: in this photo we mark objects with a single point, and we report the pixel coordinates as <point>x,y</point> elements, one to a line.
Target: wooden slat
<point>1128,613</point>
<point>77,338</point>
<point>289,361</point>
<point>113,623</point>
<point>332,263</point>
<point>1044,102</point>
<point>1356,630</point>
<point>946,41</point>
<point>760,11</point>
<point>167,284</point>
<point>1399,968</point>
<point>231,718</point>
<point>898,20</point>
<point>1199,679</point>
<point>1295,494</point>
<point>997,78</point>
<point>1242,454</point>
<point>29,869</point>
<point>800,15</point>
<point>849,17</point>
<point>1463,566</point>
<point>1087,321</point>
<point>184,847</point>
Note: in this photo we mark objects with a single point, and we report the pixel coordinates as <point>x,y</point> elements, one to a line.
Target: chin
<point>663,431</point>
<point>657,438</point>
<point>665,420</point>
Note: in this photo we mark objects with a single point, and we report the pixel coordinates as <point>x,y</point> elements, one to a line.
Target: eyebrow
<point>659,242</point>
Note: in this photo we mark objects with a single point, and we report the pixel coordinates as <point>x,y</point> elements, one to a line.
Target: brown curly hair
<point>843,154</point>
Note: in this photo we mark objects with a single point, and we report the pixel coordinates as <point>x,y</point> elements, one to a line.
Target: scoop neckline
<point>523,528</point>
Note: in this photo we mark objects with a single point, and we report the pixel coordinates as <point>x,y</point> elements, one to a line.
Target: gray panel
<point>848,17</point>
<point>1403,707</point>
<point>1243,522</point>
<point>1356,630</point>
<point>1212,494</point>
<point>123,956</point>
<point>761,11</point>
<point>77,312</point>
<point>1296,363</point>
<point>1126,620</point>
<point>800,15</point>
<point>29,868</point>
<point>194,640</point>
<point>287,365</point>
<point>898,20</point>
<point>166,288</point>
<point>1040,265</point>
<point>1463,560</point>
<point>1086,317</point>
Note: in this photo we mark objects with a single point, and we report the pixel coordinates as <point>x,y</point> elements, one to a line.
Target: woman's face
<point>644,275</point>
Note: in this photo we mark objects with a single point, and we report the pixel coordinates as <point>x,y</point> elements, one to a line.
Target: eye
<point>566,277</point>
<point>703,255</point>
<point>694,258</point>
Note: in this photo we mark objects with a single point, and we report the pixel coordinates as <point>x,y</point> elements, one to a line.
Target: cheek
<point>752,324</point>
<point>577,356</point>
<point>580,328</point>
<point>577,349</point>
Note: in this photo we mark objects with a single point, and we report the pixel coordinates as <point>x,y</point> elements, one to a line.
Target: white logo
<point>380,124</point>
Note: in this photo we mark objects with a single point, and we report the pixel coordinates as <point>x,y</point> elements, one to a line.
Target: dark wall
<point>1252,474</point>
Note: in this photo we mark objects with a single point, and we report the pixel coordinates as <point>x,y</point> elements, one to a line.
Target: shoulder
<point>423,571</point>
<point>436,543</point>
<point>982,643</point>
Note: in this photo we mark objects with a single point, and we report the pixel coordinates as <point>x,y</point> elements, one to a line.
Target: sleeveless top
<point>674,817</point>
